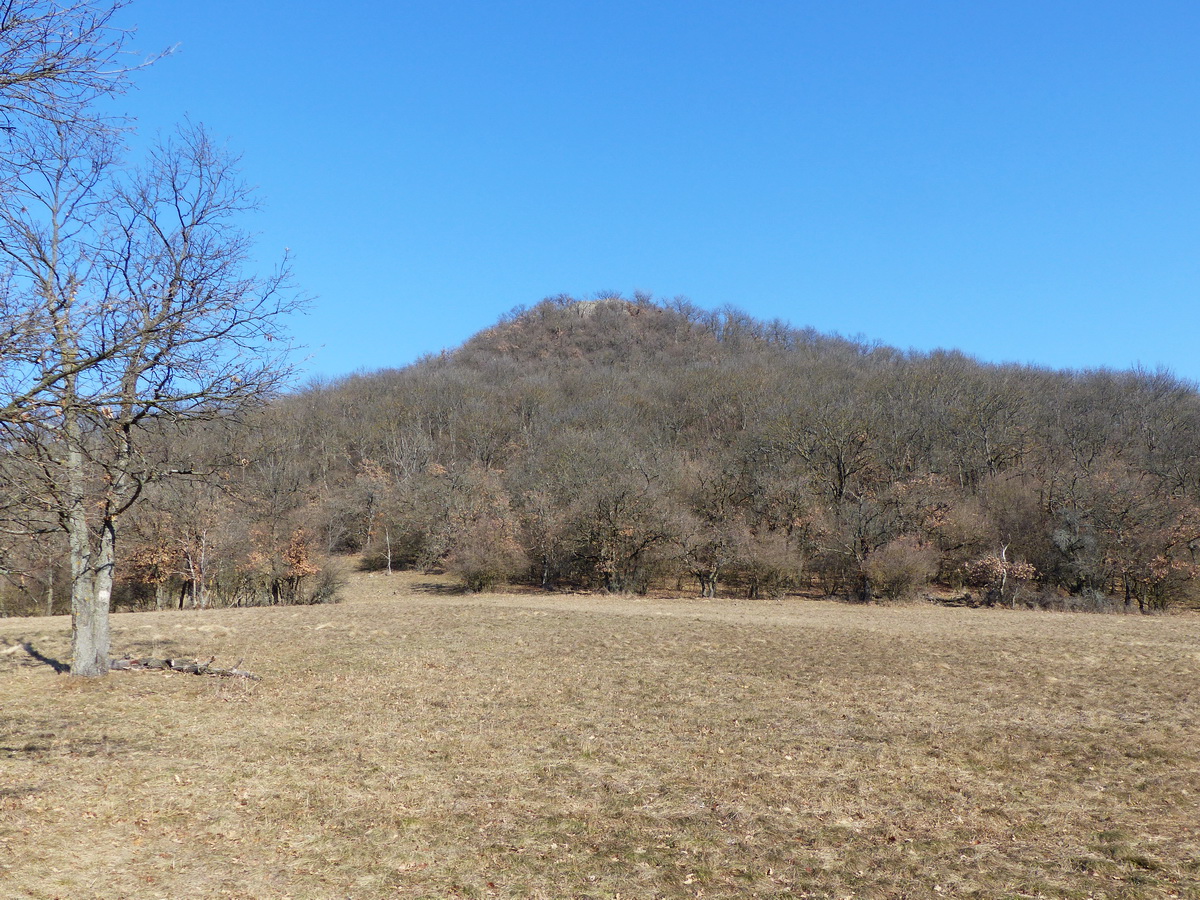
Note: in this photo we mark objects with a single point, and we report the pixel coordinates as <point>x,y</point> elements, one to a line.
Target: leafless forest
<point>626,445</point>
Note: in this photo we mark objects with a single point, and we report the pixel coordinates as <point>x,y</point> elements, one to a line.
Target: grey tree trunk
<point>89,624</point>
<point>91,564</point>
<point>91,594</point>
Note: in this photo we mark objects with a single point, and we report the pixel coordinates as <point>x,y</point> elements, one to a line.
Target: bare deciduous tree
<point>131,312</point>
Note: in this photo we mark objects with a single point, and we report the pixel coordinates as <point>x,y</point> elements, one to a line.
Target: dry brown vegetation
<point>412,742</point>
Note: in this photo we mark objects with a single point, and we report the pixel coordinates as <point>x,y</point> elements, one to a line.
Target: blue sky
<point>1018,180</point>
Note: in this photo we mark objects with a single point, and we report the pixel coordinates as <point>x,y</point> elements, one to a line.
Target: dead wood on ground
<point>185,666</point>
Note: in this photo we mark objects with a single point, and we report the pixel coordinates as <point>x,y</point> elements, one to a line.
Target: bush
<point>835,571</point>
<point>768,566</point>
<point>484,556</point>
<point>1004,580</point>
<point>900,567</point>
<point>326,585</point>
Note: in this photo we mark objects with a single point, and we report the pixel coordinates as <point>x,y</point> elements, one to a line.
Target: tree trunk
<point>91,595</point>
<point>866,591</point>
<point>89,654</point>
<point>89,616</point>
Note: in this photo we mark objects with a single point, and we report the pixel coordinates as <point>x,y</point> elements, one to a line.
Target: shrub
<point>768,566</point>
<point>484,555</point>
<point>897,569</point>
<point>1002,578</point>
<point>326,585</point>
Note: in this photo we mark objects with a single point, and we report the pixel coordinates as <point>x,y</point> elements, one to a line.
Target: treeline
<point>225,527</point>
<point>623,444</point>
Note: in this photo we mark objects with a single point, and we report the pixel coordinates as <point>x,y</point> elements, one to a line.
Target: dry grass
<point>411,743</point>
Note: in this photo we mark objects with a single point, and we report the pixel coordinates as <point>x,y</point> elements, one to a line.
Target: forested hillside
<point>624,444</point>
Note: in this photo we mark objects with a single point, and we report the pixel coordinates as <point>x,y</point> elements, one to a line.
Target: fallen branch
<point>183,666</point>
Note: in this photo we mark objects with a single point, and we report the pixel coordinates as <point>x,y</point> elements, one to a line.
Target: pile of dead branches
<point>184,666</point>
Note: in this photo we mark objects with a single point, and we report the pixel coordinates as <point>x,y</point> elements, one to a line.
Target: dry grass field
<point>411,743</point>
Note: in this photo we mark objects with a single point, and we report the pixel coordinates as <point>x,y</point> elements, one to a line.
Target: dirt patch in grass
<point>418,743</point>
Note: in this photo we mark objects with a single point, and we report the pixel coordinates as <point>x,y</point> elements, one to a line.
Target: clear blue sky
<point>1019,180</point>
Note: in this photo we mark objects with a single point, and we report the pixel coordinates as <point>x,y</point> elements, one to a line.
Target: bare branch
<point>58,58</point>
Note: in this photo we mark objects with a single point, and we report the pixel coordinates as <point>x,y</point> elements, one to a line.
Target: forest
<point>628,445</point>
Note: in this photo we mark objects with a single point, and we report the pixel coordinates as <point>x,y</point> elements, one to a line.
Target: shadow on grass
<point>441,589</point>
<point>56,664</point>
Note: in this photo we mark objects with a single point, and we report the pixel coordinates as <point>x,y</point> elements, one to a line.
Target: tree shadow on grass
<point>440,589</point>
<point>56,664</point>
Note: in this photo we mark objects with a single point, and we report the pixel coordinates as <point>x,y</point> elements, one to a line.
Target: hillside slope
<point>618,444</point>
<point>612,443</point>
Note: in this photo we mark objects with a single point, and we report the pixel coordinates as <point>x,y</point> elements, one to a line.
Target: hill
<point>618,443</point>
<point>621,444</point>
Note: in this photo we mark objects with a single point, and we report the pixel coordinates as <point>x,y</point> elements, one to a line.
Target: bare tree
<point>130,311</point>
<point>57,57</point>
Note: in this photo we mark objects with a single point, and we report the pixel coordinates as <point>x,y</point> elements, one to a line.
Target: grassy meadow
<point>411,742</point>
